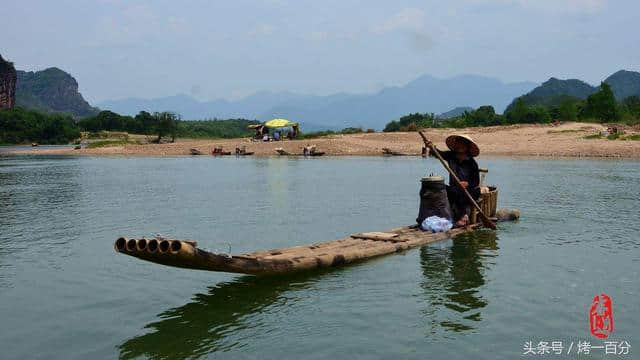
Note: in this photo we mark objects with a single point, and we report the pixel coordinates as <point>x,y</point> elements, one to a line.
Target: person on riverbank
<point>460,158</point>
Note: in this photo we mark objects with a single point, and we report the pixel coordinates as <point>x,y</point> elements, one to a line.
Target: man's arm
<point>446,154</point>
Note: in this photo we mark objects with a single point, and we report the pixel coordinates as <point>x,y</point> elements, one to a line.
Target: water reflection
<point>453,278</point>
<point>198,328</point>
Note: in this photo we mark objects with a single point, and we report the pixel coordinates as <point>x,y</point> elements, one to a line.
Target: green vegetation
<point>107,143</point>
<point>232,128</point>
<point>616,136</point>
<point>108,135</point>
<point>563,131</point>
<point>599,106</point>
<point>482,116</point>
<point>52,91</point>
<point>412,122</point>
<point>160,124</point>
<point>20,126</point>
<point>345,131</point>
<point>167,124</point>
<point>593,136</point>
<point>143,123</point>
<point>555,91</point>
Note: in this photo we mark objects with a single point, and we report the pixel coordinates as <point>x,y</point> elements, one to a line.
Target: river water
<point>65,294</point>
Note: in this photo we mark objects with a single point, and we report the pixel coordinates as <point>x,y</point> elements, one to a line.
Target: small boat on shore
<point>317,153</point>
<point>242,151</point>
<point>217,151</point>
<point>389,152</point>
<point>283,152</point>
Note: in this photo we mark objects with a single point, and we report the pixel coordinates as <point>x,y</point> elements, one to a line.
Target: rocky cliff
<point>51,90</point>
<point>7,84</point>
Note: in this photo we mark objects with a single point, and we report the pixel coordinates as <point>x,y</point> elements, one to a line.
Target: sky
<point>230,49</point>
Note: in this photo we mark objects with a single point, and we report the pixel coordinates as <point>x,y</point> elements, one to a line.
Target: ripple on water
<point>61,280</point>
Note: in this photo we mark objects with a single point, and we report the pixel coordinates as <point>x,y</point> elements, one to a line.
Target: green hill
<point>624,84</point>
<point>51,90</point>
<point>555,91</point>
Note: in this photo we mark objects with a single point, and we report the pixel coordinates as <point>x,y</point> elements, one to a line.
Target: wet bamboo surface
<point>354,248</point>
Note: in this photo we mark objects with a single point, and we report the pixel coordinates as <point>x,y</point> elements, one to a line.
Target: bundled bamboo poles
<point>357,247</point>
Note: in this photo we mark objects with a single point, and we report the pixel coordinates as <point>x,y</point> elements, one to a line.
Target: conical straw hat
<point>473,147</point>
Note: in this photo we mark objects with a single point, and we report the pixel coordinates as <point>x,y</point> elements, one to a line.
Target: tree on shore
<point>601,105</point>
<point>166,125</point>
<point>567,111</point>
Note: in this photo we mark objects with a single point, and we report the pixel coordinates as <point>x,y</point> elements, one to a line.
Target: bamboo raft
<point>354,248</point>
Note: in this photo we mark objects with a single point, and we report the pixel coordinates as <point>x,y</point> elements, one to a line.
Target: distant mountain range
<point>623,84</point>
<point>425,94</point>
<point>455,112</point>
<point>51,90</point>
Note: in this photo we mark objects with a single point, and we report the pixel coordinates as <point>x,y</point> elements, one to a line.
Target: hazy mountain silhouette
<point>455,112</point>
<point>189,108</point>
<point>425,94</point>
<point>624,83</point>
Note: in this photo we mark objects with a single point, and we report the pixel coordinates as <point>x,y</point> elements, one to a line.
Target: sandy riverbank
<point>518,140</point>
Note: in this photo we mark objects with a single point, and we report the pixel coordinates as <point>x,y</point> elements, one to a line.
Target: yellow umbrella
<point>278,123</point>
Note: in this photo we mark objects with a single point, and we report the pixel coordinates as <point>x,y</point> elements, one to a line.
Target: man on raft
<point>460,158</point>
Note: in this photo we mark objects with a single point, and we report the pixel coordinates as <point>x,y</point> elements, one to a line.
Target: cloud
<point>572,6</point>
<point>564,6</point>
<point>408,19</point>
<point>135,24</point>
<point>410,22</point>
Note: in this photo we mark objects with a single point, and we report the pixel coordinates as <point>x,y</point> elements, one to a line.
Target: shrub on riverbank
<point>107,143</point>
<point>345,131</point>
<point>600,107</point>
<point>167,124</point>
<point>226,129</point>
<point>19,126</point>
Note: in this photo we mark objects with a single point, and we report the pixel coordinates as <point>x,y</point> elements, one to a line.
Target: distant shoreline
<point>563,141</point>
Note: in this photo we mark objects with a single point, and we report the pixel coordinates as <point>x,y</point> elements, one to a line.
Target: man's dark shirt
<point>467,170</point>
